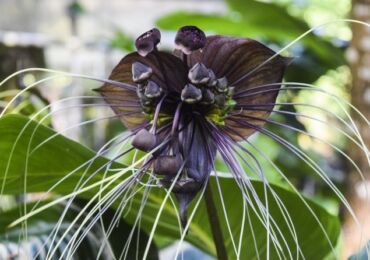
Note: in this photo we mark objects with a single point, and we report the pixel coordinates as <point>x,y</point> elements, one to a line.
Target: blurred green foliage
<point>122,41</point>
<point>273,25</point>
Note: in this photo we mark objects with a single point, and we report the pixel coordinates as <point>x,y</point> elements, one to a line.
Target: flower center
<point>205,94</point>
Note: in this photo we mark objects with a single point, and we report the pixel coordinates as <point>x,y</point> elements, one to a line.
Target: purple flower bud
<point>220,100</point>
<point>144,140</point>
<point>189,39</point>
<point>212,78</point>
<point>148,41</point>
<point>198,74</point>
<point>152,90</point>
<point>208,97</point>
<point>167,165</point>
<point>141,72</point>
<point>191,94</point>
<point>221,85</point>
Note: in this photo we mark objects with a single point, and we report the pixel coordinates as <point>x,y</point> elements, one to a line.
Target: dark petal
<point>144,140</point>
<point>148,41</point>
<point>176,77</point>
<point>234,58</point>
<point>189,39</point>
<point>195,174</point>
<point>199,150</point>
<point>184,198</point>
<point>185,191</point>
<point>184,201</point>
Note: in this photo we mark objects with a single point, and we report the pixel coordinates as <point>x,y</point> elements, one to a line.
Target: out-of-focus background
<point>89,37</point>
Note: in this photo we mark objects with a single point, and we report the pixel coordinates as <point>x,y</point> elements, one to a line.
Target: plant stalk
<point>215,224</point>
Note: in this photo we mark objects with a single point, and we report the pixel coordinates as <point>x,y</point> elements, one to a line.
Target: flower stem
<point>215,224</point>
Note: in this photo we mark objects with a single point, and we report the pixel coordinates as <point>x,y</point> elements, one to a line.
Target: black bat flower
<point>205,97</point>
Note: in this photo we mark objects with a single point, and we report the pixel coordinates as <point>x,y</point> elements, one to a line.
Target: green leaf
<point>41,226</point>
<point>311,238</point>
<point>272,24</point>
<point>47,164</point>
<point>312,241</point>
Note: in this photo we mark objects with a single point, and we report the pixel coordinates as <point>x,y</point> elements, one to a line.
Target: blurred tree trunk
<point>359,60</point>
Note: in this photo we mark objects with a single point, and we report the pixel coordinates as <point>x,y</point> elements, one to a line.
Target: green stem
<point>215,224</point>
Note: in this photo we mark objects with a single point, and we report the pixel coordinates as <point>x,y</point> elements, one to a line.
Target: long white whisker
<point>305,86</point>
<point>59,75</point>
<point>225,215</point>
<point>168,193</point>
<point>94,209</point>
<point>295,41</point>
<point>263,154</point>
<point>236,170</point>
<point>278,201</point>
<point>110,179</point>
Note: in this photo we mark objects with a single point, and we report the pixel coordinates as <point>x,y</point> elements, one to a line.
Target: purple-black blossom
<point>210,93</point>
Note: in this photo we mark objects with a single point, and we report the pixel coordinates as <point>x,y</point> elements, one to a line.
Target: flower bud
<point>167,165</point>
<point>231,92</point>
<point>191,94</point>
<point>220,100</point>
<point>189,39</point>
<point>144,140</point>
<point>148,41</point>
<point>152,90</point>
<point>212,78</point>
<point>140,72</point>
<point>221,85</point>
<point>208,97</point>
<point>199,74</point>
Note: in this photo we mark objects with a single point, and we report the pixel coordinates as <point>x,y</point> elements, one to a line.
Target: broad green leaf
<point>45,165</point>
<point>64,154</point>
<point>269,23</point>
<point>40,227</point>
